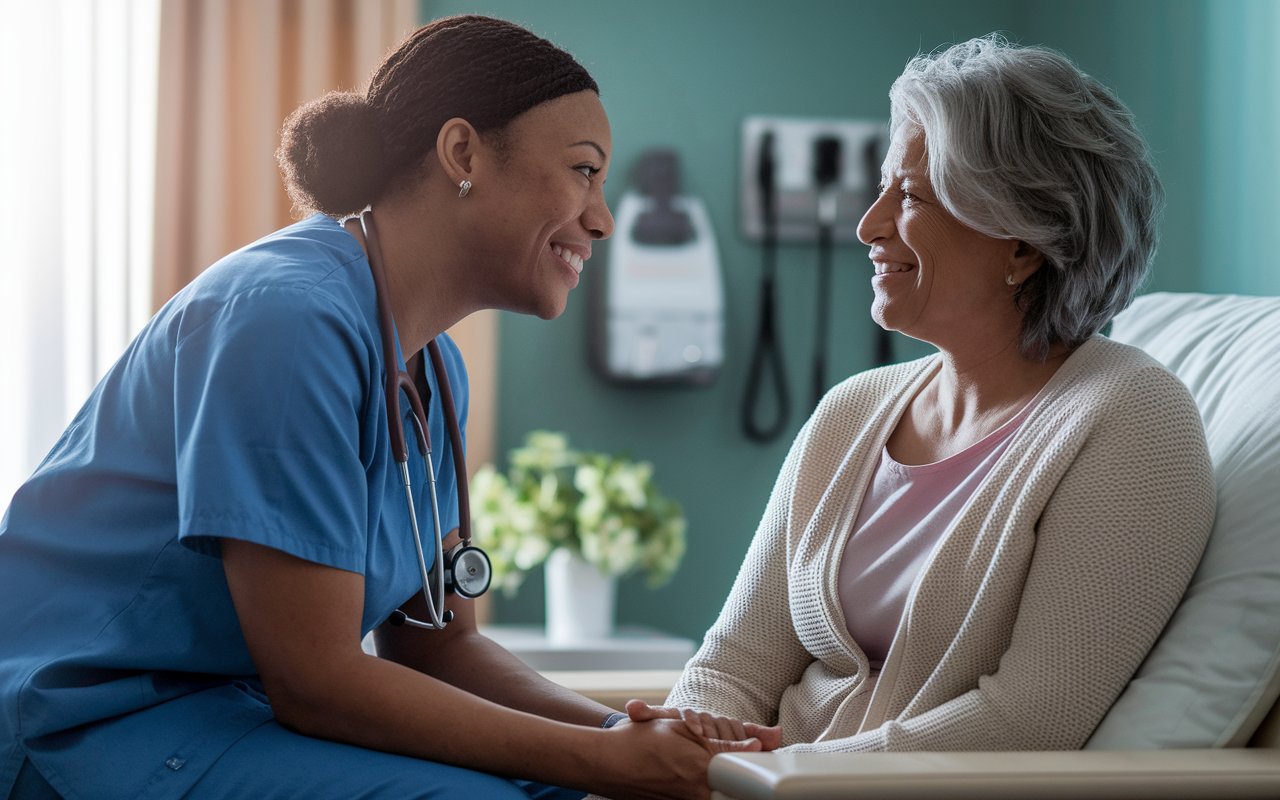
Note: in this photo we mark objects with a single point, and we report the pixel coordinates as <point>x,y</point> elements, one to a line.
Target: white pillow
<point>1214,673</point>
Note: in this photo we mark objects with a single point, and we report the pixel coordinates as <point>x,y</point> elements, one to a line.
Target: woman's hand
<point>717,731</point>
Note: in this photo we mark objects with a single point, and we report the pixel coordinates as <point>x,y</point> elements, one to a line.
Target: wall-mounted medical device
<point>803,180</point>
<point>658,317</point>
<point>797,177</point>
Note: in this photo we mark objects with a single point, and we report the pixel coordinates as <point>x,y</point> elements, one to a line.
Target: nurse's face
<point>936,279</point>
<point>546,206</point>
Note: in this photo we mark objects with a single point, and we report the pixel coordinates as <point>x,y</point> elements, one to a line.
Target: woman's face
<point>936,279</point>
<point>543,204</point>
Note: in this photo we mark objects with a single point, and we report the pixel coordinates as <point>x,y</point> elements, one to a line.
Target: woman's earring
<point>464,187</point>
<point>1007,278</point>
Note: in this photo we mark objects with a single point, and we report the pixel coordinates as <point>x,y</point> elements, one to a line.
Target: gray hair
<point>1024,145</point>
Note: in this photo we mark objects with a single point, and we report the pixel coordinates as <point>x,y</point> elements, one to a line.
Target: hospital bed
<point>1200,719</point>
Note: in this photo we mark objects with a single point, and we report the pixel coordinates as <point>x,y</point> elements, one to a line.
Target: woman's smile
<point>890,267</point>
<point>890,273</point>
<point>570,257</point>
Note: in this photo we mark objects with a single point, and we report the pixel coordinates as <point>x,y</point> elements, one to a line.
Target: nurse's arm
<point>461,656</point>
<point>301,622</point>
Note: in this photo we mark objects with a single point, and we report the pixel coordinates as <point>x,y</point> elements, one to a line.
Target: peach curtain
<point>230,72</point>
<point>77,174</point>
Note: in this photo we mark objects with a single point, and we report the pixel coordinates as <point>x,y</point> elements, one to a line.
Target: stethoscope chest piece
<point>469,572</point>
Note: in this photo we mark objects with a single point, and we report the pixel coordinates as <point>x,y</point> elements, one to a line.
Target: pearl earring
<point>464,187</point>
<point>1009,280</point>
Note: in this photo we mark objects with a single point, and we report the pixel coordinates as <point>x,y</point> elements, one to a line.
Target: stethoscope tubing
<point>397,379</point>
<point>437,614</point>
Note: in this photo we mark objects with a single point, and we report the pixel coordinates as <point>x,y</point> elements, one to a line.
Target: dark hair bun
<point>331,155</point>
<point>345,151</point>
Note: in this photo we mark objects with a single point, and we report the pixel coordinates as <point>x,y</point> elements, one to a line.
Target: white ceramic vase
<point>580,599</point>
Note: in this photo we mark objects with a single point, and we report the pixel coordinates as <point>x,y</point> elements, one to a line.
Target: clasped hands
<point>663,753</point>
<point>718,734</point>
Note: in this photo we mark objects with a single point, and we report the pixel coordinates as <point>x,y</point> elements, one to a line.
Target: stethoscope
<point>465,569</point>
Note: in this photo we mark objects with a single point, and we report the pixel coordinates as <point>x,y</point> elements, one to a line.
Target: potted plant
<point>591,517</point>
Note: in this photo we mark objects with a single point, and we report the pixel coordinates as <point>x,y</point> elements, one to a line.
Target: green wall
<point>1241,127</point>
<point>1203,79</point>
<point>684,74</point>
<point>1151,52</point>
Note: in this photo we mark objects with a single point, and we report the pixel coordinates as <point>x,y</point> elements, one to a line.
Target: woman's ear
<point>1025,262</point>
<point>456,147</point>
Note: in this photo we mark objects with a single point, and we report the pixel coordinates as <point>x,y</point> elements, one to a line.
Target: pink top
<point>904,515</point>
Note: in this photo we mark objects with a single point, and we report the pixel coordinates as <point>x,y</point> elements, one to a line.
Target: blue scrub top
<point>250,407</point>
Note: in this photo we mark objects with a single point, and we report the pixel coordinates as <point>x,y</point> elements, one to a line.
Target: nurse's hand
<point>711,727</point>
<point>660,758</point>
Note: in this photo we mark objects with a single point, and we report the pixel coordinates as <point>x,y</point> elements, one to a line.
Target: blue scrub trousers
<point>272,763</point>
<point>31,785</point>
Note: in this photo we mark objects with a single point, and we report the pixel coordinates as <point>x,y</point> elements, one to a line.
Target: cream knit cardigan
<point>1034,610</point>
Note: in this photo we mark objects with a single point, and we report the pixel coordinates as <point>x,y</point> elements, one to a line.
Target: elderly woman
<point>975,551</point>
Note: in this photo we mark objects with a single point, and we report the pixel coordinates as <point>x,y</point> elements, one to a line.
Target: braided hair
<point>346,150</point>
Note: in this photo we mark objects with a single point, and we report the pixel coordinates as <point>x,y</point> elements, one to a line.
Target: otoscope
<point>767,347</point>
<point>826,176</point>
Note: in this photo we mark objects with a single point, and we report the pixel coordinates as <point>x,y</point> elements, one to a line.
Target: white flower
<point>605,508</point>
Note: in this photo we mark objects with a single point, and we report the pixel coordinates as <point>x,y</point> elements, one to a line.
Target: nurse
<point>186,578</point>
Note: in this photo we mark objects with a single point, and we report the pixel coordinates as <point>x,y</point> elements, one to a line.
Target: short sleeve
<point>269,396</point>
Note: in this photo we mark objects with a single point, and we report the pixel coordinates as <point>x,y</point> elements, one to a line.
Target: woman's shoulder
<point>1122,393</point>
<point>311,256</point>
<point>291,273</point>
<point>1107,372</point>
